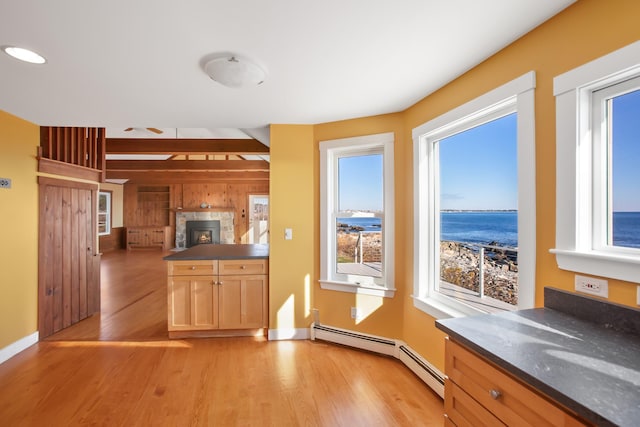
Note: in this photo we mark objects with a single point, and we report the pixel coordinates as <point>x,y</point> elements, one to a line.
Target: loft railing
<point>82,147</point>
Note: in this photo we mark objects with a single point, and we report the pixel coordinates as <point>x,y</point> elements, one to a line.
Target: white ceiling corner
<point>121,64</point>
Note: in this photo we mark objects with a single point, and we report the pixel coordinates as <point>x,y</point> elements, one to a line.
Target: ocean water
<point>626,229</point>
<point>480,227</point>
<point>502,227</point>
<point>368,223</point>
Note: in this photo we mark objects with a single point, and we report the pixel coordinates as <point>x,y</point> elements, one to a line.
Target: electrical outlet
<point>288,234</point>
<point>5,183</point>
<point>356,313</point>
<point>593,286</point>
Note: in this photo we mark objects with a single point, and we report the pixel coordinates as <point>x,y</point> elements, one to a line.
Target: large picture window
<point>357,214</point>
<point>598,151</point>
<point>474,195</point>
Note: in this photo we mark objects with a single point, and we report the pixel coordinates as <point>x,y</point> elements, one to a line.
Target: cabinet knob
<point>495,394</point>
<point>219,283</point>
<point>193,267</point>
<point>242,267</point>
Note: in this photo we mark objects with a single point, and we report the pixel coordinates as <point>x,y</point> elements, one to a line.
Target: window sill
<point>443,308</point>
<point>614,266</point>
<point>372,290</point>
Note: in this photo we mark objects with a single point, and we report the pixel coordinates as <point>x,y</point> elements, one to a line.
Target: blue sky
<point>478,167</point>
<point>360,183</point>
<point>626,153</point>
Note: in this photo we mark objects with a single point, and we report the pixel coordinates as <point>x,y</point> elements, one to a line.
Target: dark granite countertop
<point>582,352</point>
<point>206,252</point>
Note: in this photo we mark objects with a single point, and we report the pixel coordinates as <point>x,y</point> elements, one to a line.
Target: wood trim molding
<point>184,146</point>
<point>66,169</point>
<point>187,165</point>
<point>178,177</point>
<point>45,180</point>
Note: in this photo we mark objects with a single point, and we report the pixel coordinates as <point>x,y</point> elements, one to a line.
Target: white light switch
<point>288,234</point>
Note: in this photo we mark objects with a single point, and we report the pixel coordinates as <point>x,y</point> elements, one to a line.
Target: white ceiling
<point>124,63</point>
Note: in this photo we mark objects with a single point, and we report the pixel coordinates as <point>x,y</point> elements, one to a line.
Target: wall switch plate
<point>5,183</point>
<point>288,234</point>
<point>638,295</point>
<point>593,286</point>
<point>356,313</point>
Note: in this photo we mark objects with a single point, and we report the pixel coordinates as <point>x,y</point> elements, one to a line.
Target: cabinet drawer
<point>464,411</point>
<point>510,401</point>
<point>243,266</point>
<point>192,268</point>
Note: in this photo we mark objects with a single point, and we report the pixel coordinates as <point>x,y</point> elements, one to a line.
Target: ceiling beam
<point>177,177</point>
<point>185,146</point>
<point>188,165</point>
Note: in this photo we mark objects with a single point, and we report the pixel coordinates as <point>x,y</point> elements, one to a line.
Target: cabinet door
<point>192,303</point>
<point>134,237</point>
<point>243,302</point>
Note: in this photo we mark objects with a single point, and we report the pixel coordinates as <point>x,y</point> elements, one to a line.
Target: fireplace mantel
<point>211,209</point>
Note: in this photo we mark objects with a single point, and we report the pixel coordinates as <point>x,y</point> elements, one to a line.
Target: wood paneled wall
<point>110,242</point>
<point>150,209</point>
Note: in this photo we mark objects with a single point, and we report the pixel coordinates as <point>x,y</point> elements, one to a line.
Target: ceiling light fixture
<point>235,71</point>
<point>23,54</point>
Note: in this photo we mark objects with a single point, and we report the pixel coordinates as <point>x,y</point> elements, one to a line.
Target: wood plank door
<point>69,265</point>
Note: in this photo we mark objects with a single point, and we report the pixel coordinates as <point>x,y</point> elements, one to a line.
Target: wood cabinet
<point>148,237</point>
<point>478,393</point>
<point>217,298</point>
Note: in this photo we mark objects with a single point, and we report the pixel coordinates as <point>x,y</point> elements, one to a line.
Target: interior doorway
<point>258,230</point>
<point>68,261</point>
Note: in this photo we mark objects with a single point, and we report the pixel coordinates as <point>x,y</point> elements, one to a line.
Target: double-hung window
<point>474,205</point>
<point>356,216</point>
<point>598,179</point>
<point>104,213</point>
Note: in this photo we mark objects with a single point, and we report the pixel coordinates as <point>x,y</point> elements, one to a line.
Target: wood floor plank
<point>119,369</point>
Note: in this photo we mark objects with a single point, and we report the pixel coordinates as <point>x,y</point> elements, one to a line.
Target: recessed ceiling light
<point>23,54</point>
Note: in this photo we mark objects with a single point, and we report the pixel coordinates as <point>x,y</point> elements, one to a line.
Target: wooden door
<point>68,265</point>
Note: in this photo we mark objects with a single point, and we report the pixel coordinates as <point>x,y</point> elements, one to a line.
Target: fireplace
<point>224,217</point>
<point>202,232</point>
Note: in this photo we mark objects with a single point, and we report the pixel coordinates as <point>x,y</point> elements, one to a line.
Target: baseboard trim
<point>424,370</point>
<point>288,334</point>
<point>16,347</point>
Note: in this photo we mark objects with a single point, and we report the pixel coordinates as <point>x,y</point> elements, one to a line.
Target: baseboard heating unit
<point>398,349</point>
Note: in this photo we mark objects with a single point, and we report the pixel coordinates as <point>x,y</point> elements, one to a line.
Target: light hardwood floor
<point>119,369</point>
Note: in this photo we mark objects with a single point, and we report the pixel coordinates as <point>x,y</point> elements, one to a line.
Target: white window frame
<point>107,195</point>
<point>514,96</point>
<point>330,152</point>
<point>579,180</point>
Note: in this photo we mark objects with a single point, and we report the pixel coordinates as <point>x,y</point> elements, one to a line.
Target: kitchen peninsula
<point>572,362</point>
<point>218,290</point>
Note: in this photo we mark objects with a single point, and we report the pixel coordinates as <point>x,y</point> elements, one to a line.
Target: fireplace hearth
<point>202,232</point>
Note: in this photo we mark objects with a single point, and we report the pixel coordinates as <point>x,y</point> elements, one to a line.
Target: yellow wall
<point>292,201</point>
<point>381,316</point>
<point>584,31</point>
<point>18,229</point>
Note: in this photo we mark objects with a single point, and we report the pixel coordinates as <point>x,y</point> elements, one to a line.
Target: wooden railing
<point>83,148</point>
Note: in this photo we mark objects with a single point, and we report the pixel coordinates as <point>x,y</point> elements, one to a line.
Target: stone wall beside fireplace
<point>226,225</point>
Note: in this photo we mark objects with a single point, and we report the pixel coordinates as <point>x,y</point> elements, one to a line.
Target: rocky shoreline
<point>459,263</point>
<point>459,266</point>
